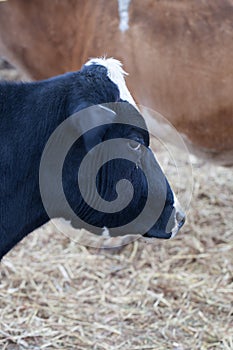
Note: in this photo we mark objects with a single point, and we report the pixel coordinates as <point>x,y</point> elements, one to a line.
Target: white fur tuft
<point>116,73</point>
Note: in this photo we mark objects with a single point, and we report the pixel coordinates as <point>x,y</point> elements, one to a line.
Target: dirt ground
<point>169,295</point>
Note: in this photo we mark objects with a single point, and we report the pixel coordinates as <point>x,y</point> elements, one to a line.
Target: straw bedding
<point>169,295</point>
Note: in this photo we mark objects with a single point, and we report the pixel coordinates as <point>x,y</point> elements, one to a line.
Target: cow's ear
<point>92,122</point>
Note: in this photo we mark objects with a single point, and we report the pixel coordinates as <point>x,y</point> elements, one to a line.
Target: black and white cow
<point>31,112</point>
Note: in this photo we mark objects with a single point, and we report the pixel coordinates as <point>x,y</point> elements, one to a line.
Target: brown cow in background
<point>179,55</point>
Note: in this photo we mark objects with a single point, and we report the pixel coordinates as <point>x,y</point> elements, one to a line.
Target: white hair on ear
<point>117,74</point>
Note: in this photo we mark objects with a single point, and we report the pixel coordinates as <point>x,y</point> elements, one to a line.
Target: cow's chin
<point>158,233</point>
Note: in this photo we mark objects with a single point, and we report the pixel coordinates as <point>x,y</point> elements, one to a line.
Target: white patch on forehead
<point>116,73</point>
<point>123,9</point>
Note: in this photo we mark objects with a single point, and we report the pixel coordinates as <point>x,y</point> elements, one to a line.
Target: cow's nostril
<point>181,223</point>
<point>180,217</point>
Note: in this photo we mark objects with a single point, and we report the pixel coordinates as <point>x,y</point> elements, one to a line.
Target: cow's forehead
<point>116,74</point>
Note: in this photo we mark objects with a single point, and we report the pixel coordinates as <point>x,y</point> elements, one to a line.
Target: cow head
<point>115,182</point>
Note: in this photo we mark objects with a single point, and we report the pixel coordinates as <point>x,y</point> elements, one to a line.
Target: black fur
<point>29,113</point>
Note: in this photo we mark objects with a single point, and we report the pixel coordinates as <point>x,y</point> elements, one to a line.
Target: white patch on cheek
<point>105,232</point>
<point>123,9</point>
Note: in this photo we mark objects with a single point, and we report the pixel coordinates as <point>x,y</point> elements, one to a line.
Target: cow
<point>34,113</point>
<point>179,54</point>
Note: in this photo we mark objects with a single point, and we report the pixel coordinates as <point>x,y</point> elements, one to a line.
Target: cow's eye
<point>134,145</point>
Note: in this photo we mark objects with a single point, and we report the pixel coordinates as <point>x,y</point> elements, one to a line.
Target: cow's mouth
<point>155,233</point>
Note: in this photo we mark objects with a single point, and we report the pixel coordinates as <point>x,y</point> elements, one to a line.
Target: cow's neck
<point>21,209</point>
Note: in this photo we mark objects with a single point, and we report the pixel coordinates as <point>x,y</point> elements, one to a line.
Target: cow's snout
<point>180,218</point>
